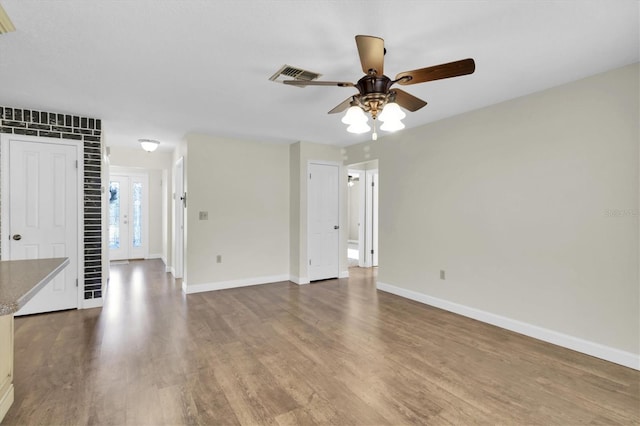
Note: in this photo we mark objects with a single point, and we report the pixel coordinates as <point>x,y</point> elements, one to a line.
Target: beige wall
<point>301,153</point>
<point>294,213</point>
<point>530,206</point>
<point>137,157</point>
<point>244,187</point>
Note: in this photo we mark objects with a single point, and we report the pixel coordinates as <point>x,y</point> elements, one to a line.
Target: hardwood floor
<point>335,352</point>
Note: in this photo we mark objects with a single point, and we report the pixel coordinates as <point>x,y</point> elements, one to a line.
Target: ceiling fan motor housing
<point>374,92</point>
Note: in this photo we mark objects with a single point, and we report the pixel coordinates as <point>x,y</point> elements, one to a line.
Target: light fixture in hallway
<point>149,145</point>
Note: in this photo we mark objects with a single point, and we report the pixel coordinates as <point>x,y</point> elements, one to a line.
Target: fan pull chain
<point>374,135</point>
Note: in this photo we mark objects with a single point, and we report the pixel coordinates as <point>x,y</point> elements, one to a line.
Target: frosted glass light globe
<point>358,128</point>
<point>391,112</point>
<point>354,115</point>
<point>392,125</point>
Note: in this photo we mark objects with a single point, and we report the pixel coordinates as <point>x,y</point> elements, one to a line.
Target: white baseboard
<point>597,350</point>
<point>154,256</point>
<point>170,269</point>
<point>92,303</point>
<point>299,280</point>
<point>221,285</point>
<point>6,400</point>
<point>344,274</point>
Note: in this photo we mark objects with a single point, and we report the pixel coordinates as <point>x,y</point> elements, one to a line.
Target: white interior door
<point>128,216</point>
<point>42,203</point>
<point>179,206</point>
<point>323,221</point>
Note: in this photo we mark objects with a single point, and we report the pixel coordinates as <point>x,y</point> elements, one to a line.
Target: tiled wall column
<point>87,132</point>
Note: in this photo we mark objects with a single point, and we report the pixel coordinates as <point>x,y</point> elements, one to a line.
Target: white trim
<point>178,235</point>
<point>352,242</point>
<point>80,201</point>
<point>155,256</point>
<point>96,302</point>
<point>167,268</point>
<point>221,285</point>
<point>6,400</point>
<point>370,237</point>
<point>344,274</point>
<point>323,163</point>
<point>299,280</point>
<point>597,350</point>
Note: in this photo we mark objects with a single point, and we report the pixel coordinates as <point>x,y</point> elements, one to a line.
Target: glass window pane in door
<point>137,214</point>
<point>114,215</point>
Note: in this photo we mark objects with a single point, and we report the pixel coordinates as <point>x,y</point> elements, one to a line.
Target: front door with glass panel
<point>128,200</point>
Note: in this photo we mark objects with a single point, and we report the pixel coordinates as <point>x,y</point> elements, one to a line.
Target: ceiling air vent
<point>287,72</point>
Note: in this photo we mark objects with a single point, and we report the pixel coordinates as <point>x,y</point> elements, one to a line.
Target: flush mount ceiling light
<point>375,95</point>
<point>149,145</point>
<point>6,25</point>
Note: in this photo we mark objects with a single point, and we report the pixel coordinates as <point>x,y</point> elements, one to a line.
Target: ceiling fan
<point>375,94</point>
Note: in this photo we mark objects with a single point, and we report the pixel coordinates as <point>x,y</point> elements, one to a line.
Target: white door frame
<point>361,214</point>
<point>368,219</point>
<point>371,230</point>
<point>4,198</point>
<point>339,195</point>
<point>178,217</point>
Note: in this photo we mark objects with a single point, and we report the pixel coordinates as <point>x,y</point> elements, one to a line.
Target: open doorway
<point>362,198</point>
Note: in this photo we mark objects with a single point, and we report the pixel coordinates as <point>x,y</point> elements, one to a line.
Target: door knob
<point>336,227</point>
<point>17,237</point>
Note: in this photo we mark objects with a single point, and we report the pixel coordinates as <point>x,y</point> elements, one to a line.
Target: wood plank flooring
<point>335,352</point>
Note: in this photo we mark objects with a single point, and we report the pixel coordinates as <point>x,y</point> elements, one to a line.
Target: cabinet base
<point>5,401</point>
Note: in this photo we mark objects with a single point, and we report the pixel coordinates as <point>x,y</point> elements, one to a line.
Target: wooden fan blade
<point>318,83</point>
<point>342,106</point>
<point>407,101</point>
<point>371,51</point>
<point>438,72</point>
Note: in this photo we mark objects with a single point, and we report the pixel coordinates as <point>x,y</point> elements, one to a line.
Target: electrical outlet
<point>219,258</point>
<point>442,275</point>
<point>204,215</point>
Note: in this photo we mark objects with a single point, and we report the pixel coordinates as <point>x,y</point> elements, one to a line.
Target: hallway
<point>336,352</point>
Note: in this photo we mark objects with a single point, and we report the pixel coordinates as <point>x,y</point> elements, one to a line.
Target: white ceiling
<point>160,69</point>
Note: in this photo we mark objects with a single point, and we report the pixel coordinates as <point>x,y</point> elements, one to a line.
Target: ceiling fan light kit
<point>375,95</point>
